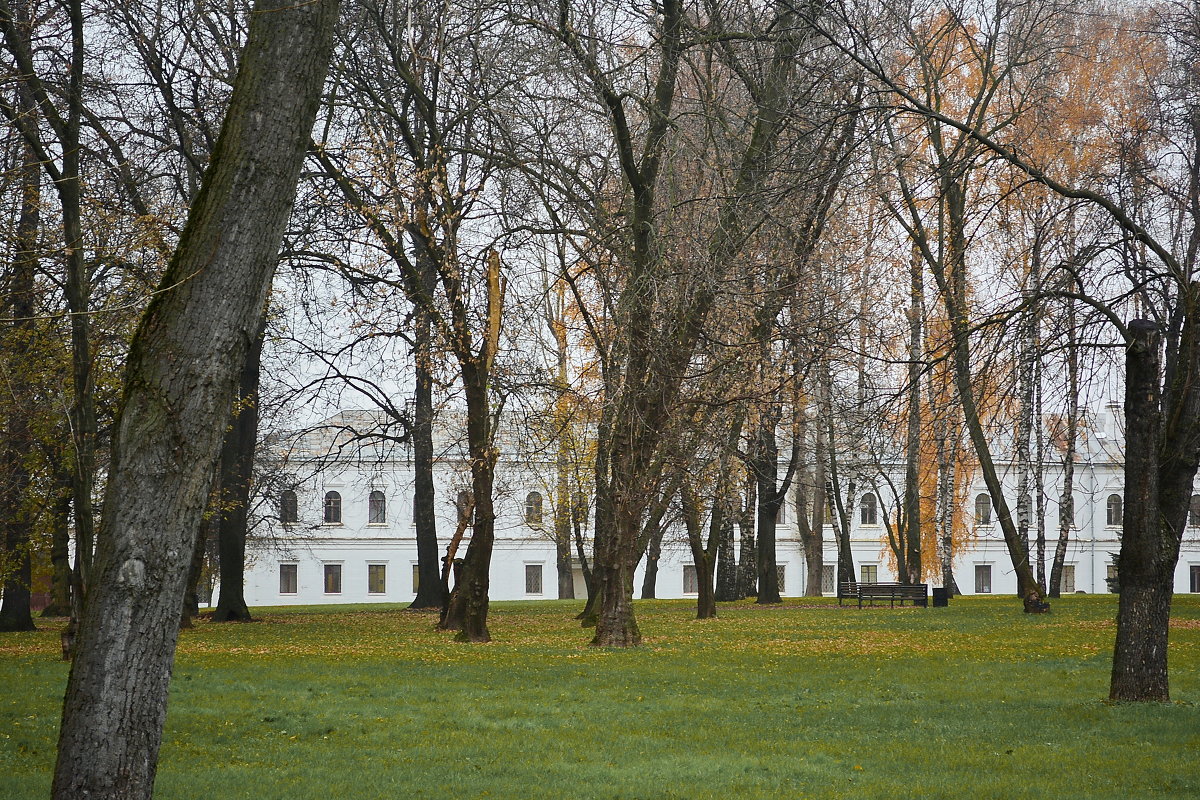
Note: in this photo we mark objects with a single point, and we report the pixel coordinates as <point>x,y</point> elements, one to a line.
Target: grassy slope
<point>973,701</point>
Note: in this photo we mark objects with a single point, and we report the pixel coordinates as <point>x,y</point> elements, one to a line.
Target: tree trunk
<point>1139,670</point>
<point>476,369</point>
<point>430,591</point>
<point>910,524</point>
<point>814,543</point>
<point>653,554</point>
<point>237,480</point>
<point>726,578</point>
<point>952,285</point>
<point>191,588</point>
<point>747,573</point>
<point>180,381</point>
<point>1066,502</point>
<point>693,516</point>
<point>765,463</point>
<point>60,552</point>
<point>15,476</point>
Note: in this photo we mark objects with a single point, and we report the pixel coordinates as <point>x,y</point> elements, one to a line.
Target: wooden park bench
<point>917,594</point>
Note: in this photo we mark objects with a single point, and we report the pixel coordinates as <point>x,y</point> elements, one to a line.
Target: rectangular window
<point>333,579</point>
<point>691,581</point>
<point>869,573</point>
<point>533,579</point>
<point>1066,584</point>
<point>1195,570</point>
<point>828,579</point>
<point>287,578</point>
<point>376,578</point>
<point>416,578</point>
<point>780,572</point>
<point>983,579</point>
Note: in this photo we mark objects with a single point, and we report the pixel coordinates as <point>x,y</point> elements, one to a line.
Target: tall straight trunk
<point>747,573</point>
<point>726,578</point>
<point>910,523</point>
<point>702,557</point>
<point>946,444</point>
<point>814,544</point>
<point>562,537</point>
<point>652,556</point>
<point>1039,476</point>
<point>191,588</point>
<point>833,494</point>
<point>60,550</point>
<point>1139,670</point>
<point>237,479</point>
<point>16,507</point>
<point>563,503</point>
<point>430,591</point>
<point>1066,501</point>
<point>180,381</point>
<point>765,463</point>
<point>1026,357</point>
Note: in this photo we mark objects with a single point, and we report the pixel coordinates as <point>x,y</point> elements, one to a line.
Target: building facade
<point>344,533</point>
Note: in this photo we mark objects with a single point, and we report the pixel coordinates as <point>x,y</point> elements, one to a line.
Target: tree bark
<point>910,524</point>
<point>765,464</point>
<point>430,591</point>
<point>15,474</point>
<point>236,481</point>
<point>179,384</point>
<point>1139,670</point>
<point>1066,502</point>
<point>60,551</point>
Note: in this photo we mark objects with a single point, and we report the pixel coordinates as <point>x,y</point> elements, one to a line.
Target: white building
<point>346,535</point>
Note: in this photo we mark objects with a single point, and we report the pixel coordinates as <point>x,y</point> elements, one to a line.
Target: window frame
<point>691,576</point>
<point>1114,508</point>
<point>376,508</point>
<point>372,567</point>
<point>332,513</point>
<point>295,577</point>
<point>289,507</point>
<point>984,514</point>
<point>534,509</point>
<point>864,507</point>
<point>332,568</point>
<point>983,571</point>
<point>541,578</point>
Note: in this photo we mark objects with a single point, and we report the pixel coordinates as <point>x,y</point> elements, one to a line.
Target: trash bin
<point>941,598</point>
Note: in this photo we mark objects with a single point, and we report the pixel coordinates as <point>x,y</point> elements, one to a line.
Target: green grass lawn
<point>803,700</point>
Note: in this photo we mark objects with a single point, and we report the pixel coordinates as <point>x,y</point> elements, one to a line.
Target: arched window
<point>533,508</point>
<point>288,507</point>
<point>376,508</point>
<point>983,509</point>
<point>1116,511</point>
<point>1194,512</point>
<point>781,514</point>
<point>465,506</point>
<point>333,508</point>
<point>869,509</point>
